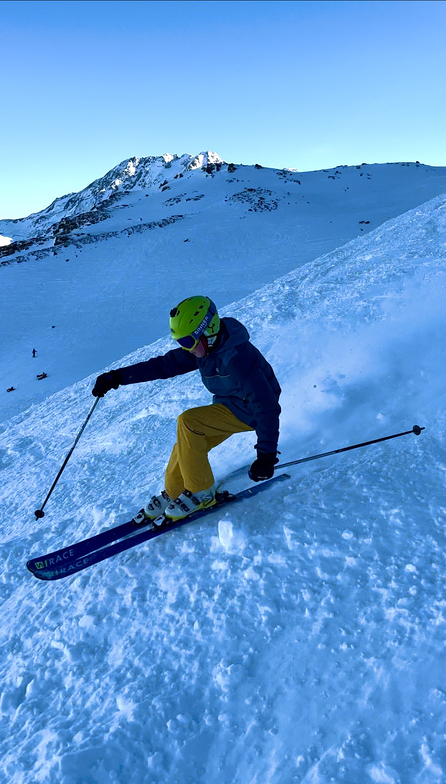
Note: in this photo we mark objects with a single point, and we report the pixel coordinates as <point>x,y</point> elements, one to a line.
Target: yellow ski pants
<point>198,431</point>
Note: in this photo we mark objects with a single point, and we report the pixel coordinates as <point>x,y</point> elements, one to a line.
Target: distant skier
<point>10,389</point>
<point>34,352</point>
<point>40,376</point>
<point>245,398</point>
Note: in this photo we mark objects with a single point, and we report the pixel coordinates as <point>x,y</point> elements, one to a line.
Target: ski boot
<point>188,503</point>
<point>155,507</point>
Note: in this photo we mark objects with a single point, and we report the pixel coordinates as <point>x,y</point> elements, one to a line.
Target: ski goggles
<point>188,342</point>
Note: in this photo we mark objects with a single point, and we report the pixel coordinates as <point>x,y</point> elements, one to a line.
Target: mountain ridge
<point>53,226</point>
<point>127,175</point>
<point>123,264</point>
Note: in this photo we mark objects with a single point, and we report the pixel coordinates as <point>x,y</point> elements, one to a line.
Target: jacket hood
<point>236,333</point>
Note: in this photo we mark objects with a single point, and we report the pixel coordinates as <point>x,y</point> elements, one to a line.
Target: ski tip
<point>31,569</point>
<point>417,429</point>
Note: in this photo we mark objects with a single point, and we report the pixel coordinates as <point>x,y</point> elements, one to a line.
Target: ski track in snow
<point>297,638</point>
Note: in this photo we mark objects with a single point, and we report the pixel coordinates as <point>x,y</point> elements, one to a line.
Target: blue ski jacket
<point>236,374</point>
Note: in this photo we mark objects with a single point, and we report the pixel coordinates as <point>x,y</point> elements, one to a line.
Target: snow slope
<point>105,287</point>
<point>297,638</point>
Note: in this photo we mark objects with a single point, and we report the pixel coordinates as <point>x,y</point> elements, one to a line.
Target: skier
<point>10,389</point>
<point>245,398</point>
<point>34,353</point>
<point>40,376</point>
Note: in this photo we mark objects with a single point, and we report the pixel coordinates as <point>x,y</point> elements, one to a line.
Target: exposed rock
<point>17,247</point>
<point>258,199</point>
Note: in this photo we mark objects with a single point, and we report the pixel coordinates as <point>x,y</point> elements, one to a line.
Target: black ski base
<point>80,555</point>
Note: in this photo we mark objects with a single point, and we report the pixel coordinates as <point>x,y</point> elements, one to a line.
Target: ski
<point>80,555</point>
<point>86,546</point>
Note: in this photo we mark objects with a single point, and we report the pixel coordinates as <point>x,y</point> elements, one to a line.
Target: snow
<point>297,637</point>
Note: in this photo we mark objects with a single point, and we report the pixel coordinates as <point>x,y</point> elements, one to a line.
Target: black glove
<point>263,467</point>
<point>105,382</point>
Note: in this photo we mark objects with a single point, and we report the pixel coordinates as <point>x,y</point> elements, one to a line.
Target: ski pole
<point>39,512</point>
<point>416,429</point>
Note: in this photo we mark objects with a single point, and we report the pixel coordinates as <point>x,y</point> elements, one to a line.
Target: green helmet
<point>192,318</point>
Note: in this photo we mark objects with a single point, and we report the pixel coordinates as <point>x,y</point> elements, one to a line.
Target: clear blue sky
<point>85,85</point>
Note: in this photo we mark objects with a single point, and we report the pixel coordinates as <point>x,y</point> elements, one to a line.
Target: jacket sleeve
<point>261,390</point>
<point>174,363</point>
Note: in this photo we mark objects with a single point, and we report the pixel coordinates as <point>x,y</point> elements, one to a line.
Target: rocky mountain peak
<point>131,174</point>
